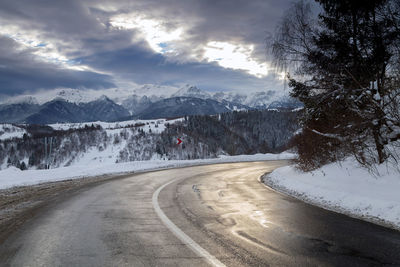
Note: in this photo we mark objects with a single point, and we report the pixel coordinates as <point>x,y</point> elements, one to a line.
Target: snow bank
<point>345,188</point>
<point>14,177</point>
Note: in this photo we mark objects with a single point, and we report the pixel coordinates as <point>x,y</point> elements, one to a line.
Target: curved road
<point>196,216</point>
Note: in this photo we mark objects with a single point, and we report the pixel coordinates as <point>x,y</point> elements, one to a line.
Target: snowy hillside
<point>9,131</point>
<point>151,125</point>
<point>67,144</point>
<point>79,143</point>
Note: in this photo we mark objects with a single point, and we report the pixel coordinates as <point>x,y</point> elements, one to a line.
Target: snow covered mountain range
<point>147,101</point>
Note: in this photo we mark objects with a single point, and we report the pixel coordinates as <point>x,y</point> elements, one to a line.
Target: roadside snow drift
<point>15,177</point>
<point>345,188</point>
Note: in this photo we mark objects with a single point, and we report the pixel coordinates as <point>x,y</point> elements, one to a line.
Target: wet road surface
<point>222,209</point>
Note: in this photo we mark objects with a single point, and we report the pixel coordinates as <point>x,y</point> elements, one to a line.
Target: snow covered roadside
<point>344,188</point>
<point>12,176</point>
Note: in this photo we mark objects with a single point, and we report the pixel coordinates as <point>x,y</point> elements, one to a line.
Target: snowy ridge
<point>345,188</point>
<point>118,95</point>
<point>146,101</point>
<point>152,92</point>
<point>191,91</point>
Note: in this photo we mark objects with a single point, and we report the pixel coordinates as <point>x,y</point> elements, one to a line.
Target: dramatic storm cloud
<point>216,45</point>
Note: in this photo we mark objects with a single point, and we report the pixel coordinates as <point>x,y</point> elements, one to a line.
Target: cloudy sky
<point>214,44</point>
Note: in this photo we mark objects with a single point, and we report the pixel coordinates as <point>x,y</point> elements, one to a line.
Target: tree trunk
<point>380,149</point>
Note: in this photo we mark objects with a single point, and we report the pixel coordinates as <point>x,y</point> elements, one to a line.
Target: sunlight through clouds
<point>232,56</point>
<point>44,50</point>
<point>154,31</point>
<point>144,41</point>
<point>162,40</point>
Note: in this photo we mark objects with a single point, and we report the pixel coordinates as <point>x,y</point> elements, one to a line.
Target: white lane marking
<point>179,233</point>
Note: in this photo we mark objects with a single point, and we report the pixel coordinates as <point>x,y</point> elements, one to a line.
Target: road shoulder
<point>273,185</point>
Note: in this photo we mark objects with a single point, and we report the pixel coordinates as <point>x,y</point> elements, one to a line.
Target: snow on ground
<point>15,177</point>
<point>156,126</point>
<point>9,131</point>
<point>345,188</point>
<point>94,156</point>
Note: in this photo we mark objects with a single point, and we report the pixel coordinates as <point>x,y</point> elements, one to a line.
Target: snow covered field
<point>9,131</point>
<point>15,177</point>
<point>345,188</point>
<point>147,124</point>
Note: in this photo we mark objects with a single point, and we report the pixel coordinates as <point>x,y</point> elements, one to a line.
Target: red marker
<point>179,141</point>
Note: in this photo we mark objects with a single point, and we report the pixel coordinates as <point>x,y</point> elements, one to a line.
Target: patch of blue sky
<point>164,47</point>
<point>41,45</point>
<point>73,62</point>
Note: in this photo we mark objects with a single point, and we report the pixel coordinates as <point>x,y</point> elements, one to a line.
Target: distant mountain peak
<point>191,88</point>
<point>58,99</point>
<point>191,91</point>
<point>103,98</point>
<point>180,106</point>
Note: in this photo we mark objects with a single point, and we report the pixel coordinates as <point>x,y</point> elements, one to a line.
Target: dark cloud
<point>81,31</point>
<point>142,66</point>
<point>20,71</point>
<point>241,21</point>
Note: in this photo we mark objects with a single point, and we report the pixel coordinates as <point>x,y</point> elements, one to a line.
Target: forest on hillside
<point>245,132</point>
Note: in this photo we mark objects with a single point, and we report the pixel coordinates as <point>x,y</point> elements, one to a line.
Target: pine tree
<point>31,160</point>
<point>22,166</point>
<point>346,65</point>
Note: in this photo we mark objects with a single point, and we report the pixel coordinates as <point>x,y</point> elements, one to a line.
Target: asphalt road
<point>196,216</point>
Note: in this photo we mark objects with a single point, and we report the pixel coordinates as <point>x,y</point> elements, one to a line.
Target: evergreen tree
<point>31,160</point>
<point>346,66</point>
<point>22,166</point>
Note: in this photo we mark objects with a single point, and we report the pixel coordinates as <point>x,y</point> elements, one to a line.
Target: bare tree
<point>344,67</point>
